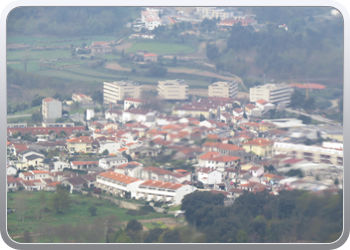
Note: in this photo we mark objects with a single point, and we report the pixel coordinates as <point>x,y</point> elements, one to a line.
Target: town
<point>135,144</point>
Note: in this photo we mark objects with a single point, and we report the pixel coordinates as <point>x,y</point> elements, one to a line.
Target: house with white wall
<point>208,176</point>
<point>112,162</point>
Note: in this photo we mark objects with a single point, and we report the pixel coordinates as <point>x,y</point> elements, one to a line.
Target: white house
<point>59,166</point>
<point>40,174</point>
<point>27,176</point>
<point>83,164</point>
<point>238,112</point>
<point>163,191</point>
<point>264,105</point>
<point>208,176</point>
<point>111,146</point>
<point>208,124</point>
<point>256,171</point>
<point>132,102</point>
<point>138,115</point>
<point>216,160</point>
<point>111,162</point>
<point>11,170</point>
<point>132,169</point>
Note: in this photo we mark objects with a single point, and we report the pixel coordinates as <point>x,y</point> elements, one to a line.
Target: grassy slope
<point>78,213</point>
<point>76,41</point>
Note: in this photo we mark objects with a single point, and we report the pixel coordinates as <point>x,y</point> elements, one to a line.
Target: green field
<point>32,66</point>
<point>28,111</point>
<point>78,110</point>
<point>162,48</point>
<point>152,225</point>
<point>76,41</point>
<point>19,55</point>
<point>90,75</point>
<point>19,120</point>
<point>77,214</point>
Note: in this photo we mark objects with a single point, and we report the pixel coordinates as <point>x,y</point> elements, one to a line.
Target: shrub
<point>147,208</point>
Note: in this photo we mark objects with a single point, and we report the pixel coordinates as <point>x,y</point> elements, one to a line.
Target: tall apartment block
<point>223,89</point>
<point>51,109</point>
<point>274,93</point>
<point>118,91</point>
<point>173,90</point>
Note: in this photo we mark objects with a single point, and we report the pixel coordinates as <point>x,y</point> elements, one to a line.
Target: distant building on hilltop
<point>119,91</point>
<point>223,89</point>
<point>51,109</point>
<point>273,93</point>
<point>173,90</point>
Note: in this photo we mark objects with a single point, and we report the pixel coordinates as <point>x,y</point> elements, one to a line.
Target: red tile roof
<point>158,171</point>
<point>161,184</point>
<point>81,139</point>
<point>258,142</point>
<point>262,102</point>
<point>40,172</point>
<point>118,177</point>
<point>45,130</point>
<point>208,155</point>
<point>205,170</point>
<point>292,161</point>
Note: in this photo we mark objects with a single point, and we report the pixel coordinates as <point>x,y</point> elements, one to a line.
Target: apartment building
<point>51,109</point>
<point>310,153</point>
<point>214,12</point>
<point>118,91</point>
<point>173,90</point>
<point>116,183</point>
<point>223,89</point>
<point>150,19</point>
<point>273,93</point>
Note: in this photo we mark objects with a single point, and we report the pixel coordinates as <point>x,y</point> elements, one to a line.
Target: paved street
<point>315,117</point>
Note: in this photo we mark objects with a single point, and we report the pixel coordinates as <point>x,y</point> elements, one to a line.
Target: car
<point>231,183</point>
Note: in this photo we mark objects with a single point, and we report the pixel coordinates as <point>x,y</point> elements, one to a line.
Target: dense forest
<point>291,216</point>
<point>68,21</point>
<point>303,51</point>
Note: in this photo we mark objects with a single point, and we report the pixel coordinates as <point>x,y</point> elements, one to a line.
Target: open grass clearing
<point>76,41</point>
<point>20,55</point>
<point>32,66</point>
<point>162,48</point>
<point>77,214</point>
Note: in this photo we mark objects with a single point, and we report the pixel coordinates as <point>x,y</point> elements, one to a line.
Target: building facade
<point>223,89</point>
<point>51,109</point>
<point>310,153</point>
<point>273,93</point>
<point>173,90</point>
<point>118,91</point>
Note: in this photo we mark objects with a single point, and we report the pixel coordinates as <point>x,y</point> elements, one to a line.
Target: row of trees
<point>262,217</point>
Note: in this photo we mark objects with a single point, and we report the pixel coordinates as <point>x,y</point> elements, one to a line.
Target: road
<point>18,116</point>
<point>315,117</point>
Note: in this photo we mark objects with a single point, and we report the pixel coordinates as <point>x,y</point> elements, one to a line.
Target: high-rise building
<point>51,109</point>
<point>118,91</point>
<point>223,89</point>
<point>273,93</point>
<point>173,90</point>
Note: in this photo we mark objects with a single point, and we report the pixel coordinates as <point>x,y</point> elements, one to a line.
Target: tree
<point>124,238</point>
<point>156,70</point>
<point>151,144</point>
<point>27,238</point>
<point>21,204</point>
<point>43,201</point>
<point>297,99</point>
<point>105,152</point>
<point>37,117</point>
<point>245,115</point>
<point>336,181</point>
<point>61,200</point>
<point>92,210</point>
<point>63,133</point>
<point>212,51</point>
<point>153,235</point>
<point>133,225</point>
<point>242,236</point>
<point>127,156</point>
<point>201,118</point>
<point>305,119</point>
<point>174,62</point>
<point>97,96</point>
<point>171,236</point>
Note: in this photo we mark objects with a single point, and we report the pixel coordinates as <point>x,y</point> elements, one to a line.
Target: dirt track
<point>123,46</point>
<point>116,66</point>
